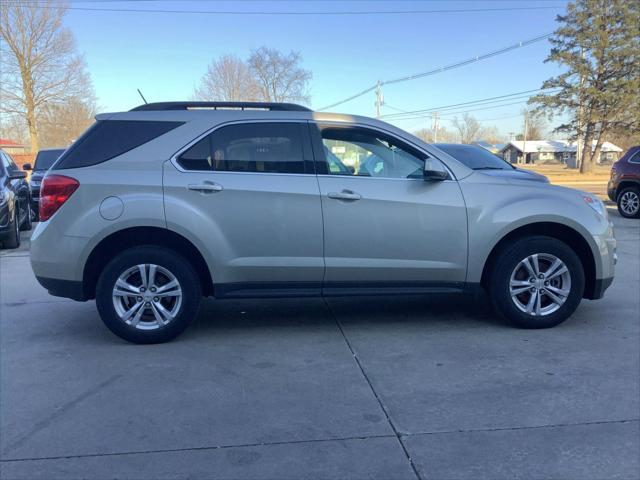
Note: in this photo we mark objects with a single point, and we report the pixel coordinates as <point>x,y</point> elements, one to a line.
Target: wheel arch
<point>626,183</point>
<point>566,234</point>
<point>120,240</point>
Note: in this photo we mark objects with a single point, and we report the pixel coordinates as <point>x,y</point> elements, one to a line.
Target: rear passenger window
<point>109,138</point>
<point>249,147</point>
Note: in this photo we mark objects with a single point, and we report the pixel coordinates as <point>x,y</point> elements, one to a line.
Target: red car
<point>624,184</point>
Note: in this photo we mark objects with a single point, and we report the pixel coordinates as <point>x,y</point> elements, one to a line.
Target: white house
<point>554,151</point>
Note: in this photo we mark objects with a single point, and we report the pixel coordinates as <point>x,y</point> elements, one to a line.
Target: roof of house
<point>534,146</point>
<point>4,142</point>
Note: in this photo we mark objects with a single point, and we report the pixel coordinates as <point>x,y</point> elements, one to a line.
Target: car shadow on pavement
<point>431,311</point>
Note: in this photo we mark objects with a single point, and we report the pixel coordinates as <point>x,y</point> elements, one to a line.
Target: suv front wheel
<point>629,202</point>
<point>148,294</point>
<point>537,282</point>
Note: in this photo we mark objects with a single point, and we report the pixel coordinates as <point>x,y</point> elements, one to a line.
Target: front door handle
<point>205,187</point>
<point>347,195</point>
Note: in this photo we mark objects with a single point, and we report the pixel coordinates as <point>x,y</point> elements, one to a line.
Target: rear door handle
<point>345,195</point>
<point>205,187</point>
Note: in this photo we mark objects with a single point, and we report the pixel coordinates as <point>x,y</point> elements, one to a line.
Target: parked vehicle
<point>14,202</point>
<point>44,159</point>
<point>624,184</point>
<point>477,158</point>
<point>153,208</point>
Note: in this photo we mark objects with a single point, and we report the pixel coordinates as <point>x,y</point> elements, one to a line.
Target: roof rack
<point>283,107</point>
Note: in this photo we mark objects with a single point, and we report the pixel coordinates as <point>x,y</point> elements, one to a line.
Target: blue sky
<point>166,54</point>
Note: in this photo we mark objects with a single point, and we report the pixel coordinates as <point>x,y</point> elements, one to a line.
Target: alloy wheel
<point>540,284</point>
<point>630,203</point>
<point>147,296</point>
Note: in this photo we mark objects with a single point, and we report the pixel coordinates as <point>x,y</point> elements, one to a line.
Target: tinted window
<point>249,147</point>
<point>45,159</point>
<point>473,157</point>
<point>367,153</point>
<point>110,138</point>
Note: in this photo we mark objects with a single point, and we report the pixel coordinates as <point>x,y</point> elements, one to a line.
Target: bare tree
<point>39,62</point>
<point>428,135</point>
<point>469,129</point>
<point>61,124</point>
<point>280,76</point>
<point>228,79</point>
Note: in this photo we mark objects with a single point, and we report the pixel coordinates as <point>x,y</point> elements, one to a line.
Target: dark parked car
<point>14,202</point>
<point>477,158</point>
<point>624,184</point>
<point>45,158</point>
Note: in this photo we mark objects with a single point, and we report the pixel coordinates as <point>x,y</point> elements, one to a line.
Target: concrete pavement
<point>363,387</point>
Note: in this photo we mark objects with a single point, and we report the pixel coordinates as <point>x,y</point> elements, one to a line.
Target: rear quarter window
<point>108,139</point>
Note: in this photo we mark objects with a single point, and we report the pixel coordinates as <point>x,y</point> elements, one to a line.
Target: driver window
<point>367,153</point>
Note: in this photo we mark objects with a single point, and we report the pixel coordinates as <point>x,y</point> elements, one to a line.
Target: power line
<point>488,100</point>
<point>462,63</point>
<point>299,12</point>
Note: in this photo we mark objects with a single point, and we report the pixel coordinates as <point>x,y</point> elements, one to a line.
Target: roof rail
<point>283,107</point>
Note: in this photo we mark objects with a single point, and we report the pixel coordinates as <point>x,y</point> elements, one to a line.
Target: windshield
<point>45,158</point>
<point>474,157</point>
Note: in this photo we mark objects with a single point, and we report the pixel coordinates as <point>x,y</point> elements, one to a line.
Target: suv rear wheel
<point>629,202</point>
<point>537,282</point>
<point>148,294</point>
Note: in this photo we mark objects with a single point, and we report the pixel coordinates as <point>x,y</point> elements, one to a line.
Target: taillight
<point>54,191</point>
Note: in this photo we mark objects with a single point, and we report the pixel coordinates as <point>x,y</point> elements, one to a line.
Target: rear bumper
<point>63,288</point>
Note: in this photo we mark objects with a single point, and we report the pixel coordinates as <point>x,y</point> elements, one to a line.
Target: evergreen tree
<point>598,43</point>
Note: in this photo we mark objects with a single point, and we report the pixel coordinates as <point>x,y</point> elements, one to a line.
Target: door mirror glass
<point>434,171</point>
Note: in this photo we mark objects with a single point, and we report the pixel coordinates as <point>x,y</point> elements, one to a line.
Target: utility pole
<point>435,125</point>
<point>379,98</point>
<point>579,140</point>
<point>524,136</point>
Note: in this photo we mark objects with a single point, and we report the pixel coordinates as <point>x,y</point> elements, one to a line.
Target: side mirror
<point>435,175</point>
<point>434,171</point>
<point>17,175</point>
<point>26,167</point>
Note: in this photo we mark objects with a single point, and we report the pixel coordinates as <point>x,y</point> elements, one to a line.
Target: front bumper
<point>600,286</point>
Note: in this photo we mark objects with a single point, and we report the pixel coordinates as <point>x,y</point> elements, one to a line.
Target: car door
<point>385,226</point>
<point>248,194</point>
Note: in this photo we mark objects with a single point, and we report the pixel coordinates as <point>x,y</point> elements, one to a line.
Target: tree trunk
<point>586,164</point>
<point>30,107</point>
<point>596,151</point>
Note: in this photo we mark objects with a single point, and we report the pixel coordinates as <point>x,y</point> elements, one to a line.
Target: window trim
<point>307,151</point>
<point>635,158</point>
<point>322,163</point>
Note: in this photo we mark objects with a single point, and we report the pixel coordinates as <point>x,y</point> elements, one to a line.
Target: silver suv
<point>154,208</point>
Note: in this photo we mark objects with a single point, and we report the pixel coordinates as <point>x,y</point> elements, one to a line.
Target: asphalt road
<point>384,388</point>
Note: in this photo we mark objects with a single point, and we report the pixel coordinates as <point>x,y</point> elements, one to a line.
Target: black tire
<point>27,224</point>
<point>13,238</point>
<point>500,278</point>
<point>168,259</point>
<point>629,194</point>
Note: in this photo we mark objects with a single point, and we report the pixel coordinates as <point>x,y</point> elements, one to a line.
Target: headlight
<point>596,204</point>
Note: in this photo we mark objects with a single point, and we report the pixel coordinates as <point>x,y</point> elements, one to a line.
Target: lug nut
<point>153,289</point>
<point>147,304</point>
<point>541,276</point>
<point>531,280</point>
<point>533,290</point>
<point>156,299</point>
<point>139,299</point>
<point>142,289</point>
<point>546,284</point>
